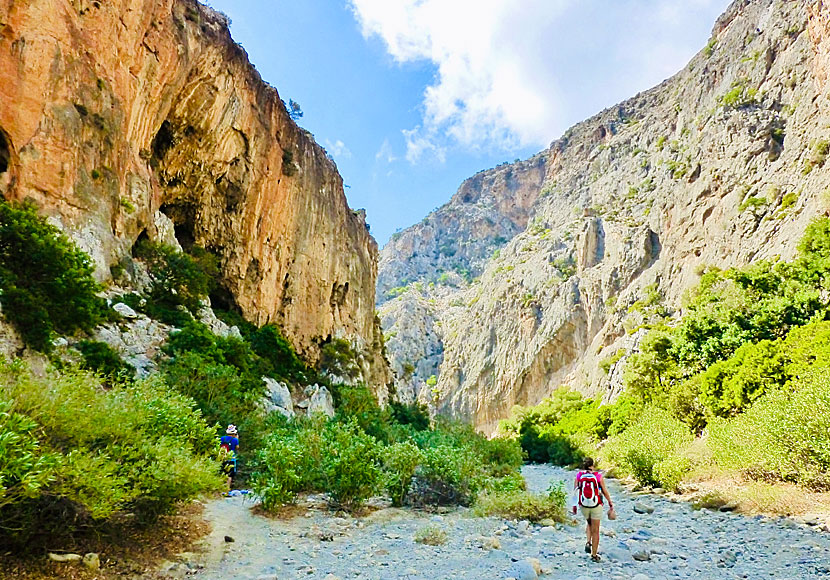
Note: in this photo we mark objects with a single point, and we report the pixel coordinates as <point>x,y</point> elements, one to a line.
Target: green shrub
<point>358,404</point>
<point>46,283</point>
<point>649,449</point>
<point>447,476</point>
<point>178,279</point>
<point>103,359</point>
<point>522,505</point>
<point>431,535</point>
<point>350,465</point>
<point>271,346</point>
<point>414,414</point>
<point>785,435</point>
<point>84,454</point>
<point>400,460</point>
<point>279,478</point>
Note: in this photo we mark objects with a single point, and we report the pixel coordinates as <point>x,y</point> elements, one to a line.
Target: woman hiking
<point>589,487</point>
<point>228,446</point>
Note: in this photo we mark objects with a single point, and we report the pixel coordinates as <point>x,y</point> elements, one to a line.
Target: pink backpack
<point>589,489</point>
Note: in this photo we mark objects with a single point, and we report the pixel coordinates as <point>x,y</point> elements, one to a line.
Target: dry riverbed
<point>653,538</point>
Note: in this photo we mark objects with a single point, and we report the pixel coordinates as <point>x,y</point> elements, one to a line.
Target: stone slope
<point>721,165</point>
<point>140,118</point>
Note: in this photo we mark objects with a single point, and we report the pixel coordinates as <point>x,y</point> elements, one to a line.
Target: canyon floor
<point>673,541</point>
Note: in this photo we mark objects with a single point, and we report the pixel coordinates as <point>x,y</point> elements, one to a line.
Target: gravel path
<point>673,542</point>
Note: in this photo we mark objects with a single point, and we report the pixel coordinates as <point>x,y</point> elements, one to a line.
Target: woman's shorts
<point>594,513</point>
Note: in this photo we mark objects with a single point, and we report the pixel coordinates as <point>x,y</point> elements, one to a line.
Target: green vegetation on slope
<point>744,370</point>
<point>46,284</point>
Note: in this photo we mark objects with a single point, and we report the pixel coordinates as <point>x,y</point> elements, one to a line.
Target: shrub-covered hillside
<point>742,372</point>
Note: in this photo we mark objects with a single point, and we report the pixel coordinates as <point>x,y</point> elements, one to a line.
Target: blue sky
<point>411,97</point>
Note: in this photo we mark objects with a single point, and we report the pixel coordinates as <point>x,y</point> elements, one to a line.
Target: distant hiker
<point>589,487</point>
<point>228,446</point>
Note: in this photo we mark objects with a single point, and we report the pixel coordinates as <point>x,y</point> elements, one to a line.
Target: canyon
<point>547,272</point>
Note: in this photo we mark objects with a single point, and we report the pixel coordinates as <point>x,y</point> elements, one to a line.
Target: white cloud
<point>514,73</point>
<point>337,149</point>
<point>386,153</point>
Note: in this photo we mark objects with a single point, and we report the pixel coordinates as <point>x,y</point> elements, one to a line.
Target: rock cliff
<point>721,165</point>
<point>137,118</point>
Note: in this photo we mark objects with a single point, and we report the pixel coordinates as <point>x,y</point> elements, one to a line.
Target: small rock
<point>523,526</point>
<point>491,543</point>
<point>642,555</point>
<point>658,490</point>
<point>64,557</point>
<point>229,539</point>
<point>92,561</point>
<point>640,577</point>
<point>537,566</point>
<point>641,508</point>
<point>729,507</point>
<point>522,570</point>
<point>331,577</point>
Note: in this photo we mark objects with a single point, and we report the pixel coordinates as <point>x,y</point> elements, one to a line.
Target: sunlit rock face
<point>119,117</point>
<point>721,165</point>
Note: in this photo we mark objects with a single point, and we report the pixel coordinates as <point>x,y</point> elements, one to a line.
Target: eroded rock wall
<point>721,165</point>
<point>119,116</point>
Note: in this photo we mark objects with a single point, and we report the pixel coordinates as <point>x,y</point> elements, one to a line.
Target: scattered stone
<point>229,539</point>
<point>491,543</point>
<point>522,570</point>
<point>331,577</point>
<point>523,526</point>
<point>642,555</point>
<point>641,508</point>
<point>65,557</point>
<point>729,507</point>
<point>658,490</point>
<point>92,561</point>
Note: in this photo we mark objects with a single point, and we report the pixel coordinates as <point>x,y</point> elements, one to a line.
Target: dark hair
<point>587,463</point>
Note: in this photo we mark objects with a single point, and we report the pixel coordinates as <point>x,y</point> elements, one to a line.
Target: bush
<point>280,477</point>
<point>785,435</point>
<point>414,414</point>
<point>46,282</point>
<point>523,505</point>
<point>178,279</point>
<point>650,449</point>
<point>350,465</point>
<point>82,454</point>
<point>103,359</point>
<point>400,461</point>
<point>271,346</point>
<point>431,535</point>
<point>447,476</point>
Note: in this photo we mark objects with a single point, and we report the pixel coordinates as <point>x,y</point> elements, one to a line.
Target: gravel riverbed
<point>673,541</point>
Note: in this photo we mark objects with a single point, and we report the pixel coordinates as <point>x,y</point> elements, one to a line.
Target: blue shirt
<point>230,441</point>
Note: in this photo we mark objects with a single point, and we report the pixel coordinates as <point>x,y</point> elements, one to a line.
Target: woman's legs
<point>594,531</point>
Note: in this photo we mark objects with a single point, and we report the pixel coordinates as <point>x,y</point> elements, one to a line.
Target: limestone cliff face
<point>721,165</point>
<point>142,117</point>
<point>443,254</point>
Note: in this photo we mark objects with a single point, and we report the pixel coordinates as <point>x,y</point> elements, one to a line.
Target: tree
<point>294,110</point>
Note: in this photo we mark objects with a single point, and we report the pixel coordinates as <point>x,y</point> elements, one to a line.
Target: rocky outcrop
<point>143,118</point>
<point>721,165</point>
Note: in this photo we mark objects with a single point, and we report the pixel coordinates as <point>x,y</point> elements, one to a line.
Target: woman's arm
<point>605,492</point>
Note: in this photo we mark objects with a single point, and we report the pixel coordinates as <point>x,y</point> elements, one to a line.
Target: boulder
<point>321,402</point>
<point>125,310</point>
<point>278,398</point>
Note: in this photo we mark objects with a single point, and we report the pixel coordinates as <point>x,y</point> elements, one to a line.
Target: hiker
<point>228,446</point>
<point>589,487</point>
